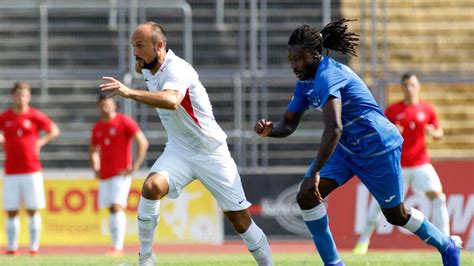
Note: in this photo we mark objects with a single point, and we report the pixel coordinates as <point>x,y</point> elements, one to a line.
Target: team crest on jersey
<point>27,123</point>
<point>400,116</point>
<point>316,103</point>
<point>420,116</point>
<point>313,98</point>
<point>112,131</point>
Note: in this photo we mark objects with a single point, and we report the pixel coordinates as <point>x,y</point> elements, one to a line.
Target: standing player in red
<point>110,153</point>
<point>23,182</point>
<point>415,119</point>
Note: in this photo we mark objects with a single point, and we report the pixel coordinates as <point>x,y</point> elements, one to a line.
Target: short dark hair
<point>102,97</point>
<point>21,85</point>
<point>408,75</point>
<point>334,36</point>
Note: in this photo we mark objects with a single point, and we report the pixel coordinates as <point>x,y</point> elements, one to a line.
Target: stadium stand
<point>82,47</point>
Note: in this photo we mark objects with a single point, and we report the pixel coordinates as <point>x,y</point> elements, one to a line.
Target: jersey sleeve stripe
<point>188,107</point>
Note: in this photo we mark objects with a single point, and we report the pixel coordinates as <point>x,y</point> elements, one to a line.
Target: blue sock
<point>317,221</point>
<point>426,231</point>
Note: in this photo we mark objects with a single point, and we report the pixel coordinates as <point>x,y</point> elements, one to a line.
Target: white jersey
<point>192,126</point>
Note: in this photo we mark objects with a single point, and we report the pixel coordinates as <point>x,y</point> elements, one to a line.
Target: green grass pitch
<point>378,258</point>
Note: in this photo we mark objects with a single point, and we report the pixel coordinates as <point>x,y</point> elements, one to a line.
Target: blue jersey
<point>366,131</point>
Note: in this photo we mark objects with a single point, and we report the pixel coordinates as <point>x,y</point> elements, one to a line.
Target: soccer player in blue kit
<point>357,140</point>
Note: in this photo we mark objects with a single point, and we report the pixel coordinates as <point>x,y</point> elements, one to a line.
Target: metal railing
<point>249,35</point>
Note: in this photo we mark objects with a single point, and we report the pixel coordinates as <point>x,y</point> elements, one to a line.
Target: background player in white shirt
<point>196,147</point>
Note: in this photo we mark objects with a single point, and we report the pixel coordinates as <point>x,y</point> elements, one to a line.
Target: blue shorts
<point>380,174</point>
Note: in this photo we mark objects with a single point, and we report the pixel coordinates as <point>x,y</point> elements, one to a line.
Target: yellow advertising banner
<point>72,216</point>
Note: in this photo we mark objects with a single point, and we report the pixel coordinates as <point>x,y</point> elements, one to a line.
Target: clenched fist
<point>263,127</point>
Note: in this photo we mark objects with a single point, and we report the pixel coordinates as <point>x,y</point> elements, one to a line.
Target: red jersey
<point>21,132</point>
<point>114,138</point>
<point>412,119</point>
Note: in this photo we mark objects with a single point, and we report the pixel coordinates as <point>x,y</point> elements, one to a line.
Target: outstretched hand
<point>263,127</point>
<point>115,87</point>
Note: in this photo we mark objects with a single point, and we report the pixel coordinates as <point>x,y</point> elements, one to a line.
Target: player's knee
<point>397,215</point>
<point>240,226</point>
<point>398,218</point>
<point>306,199</point>
<point>439,199</point>
<point>436,195</point>
<point>240,220</point>
<point>12,214</point>
<point>114,208</point>
<point>154,187</point>
<point>32,212</point>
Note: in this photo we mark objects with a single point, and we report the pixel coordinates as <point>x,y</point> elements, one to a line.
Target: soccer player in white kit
<point>196,147</point>
<point>23,181</point>
<point>415,119</point>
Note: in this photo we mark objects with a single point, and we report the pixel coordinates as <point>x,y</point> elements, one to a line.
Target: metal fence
<point>237,46</point>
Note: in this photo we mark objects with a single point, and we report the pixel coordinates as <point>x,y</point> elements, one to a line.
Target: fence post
<point>44,65</point>
<point>238,120</point>
<point>188,32</point>
<point>373,48</point>
<point>254,93</point>
<point>326,11</point>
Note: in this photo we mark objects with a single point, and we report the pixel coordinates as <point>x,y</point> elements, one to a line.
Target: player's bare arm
<point>435,133</point>
<point>284,128</point>
<point>142,147</point>
<point>94,159</point>
<point>331,134</point>
<point>165,99</point>
<point>48,137</point>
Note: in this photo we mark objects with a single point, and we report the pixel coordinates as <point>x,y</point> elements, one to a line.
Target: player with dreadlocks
<point>357,140</point>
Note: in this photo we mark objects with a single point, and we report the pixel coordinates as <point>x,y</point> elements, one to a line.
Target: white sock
<point>440,216</point>
<point>13,228</point>
<point>148,218</point>
<point>373,216</point>
<point>257,244</point>
<point>415,221</point>
<point>35,231</point>
<point>118,224</point>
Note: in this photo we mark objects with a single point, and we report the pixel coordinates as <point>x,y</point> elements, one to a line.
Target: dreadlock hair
<point>334,36</point>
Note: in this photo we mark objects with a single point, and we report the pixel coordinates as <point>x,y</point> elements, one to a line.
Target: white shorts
<point>114,191</point>
<point>421,179</point>
<point>23,188</point>
<point>217,171</point>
